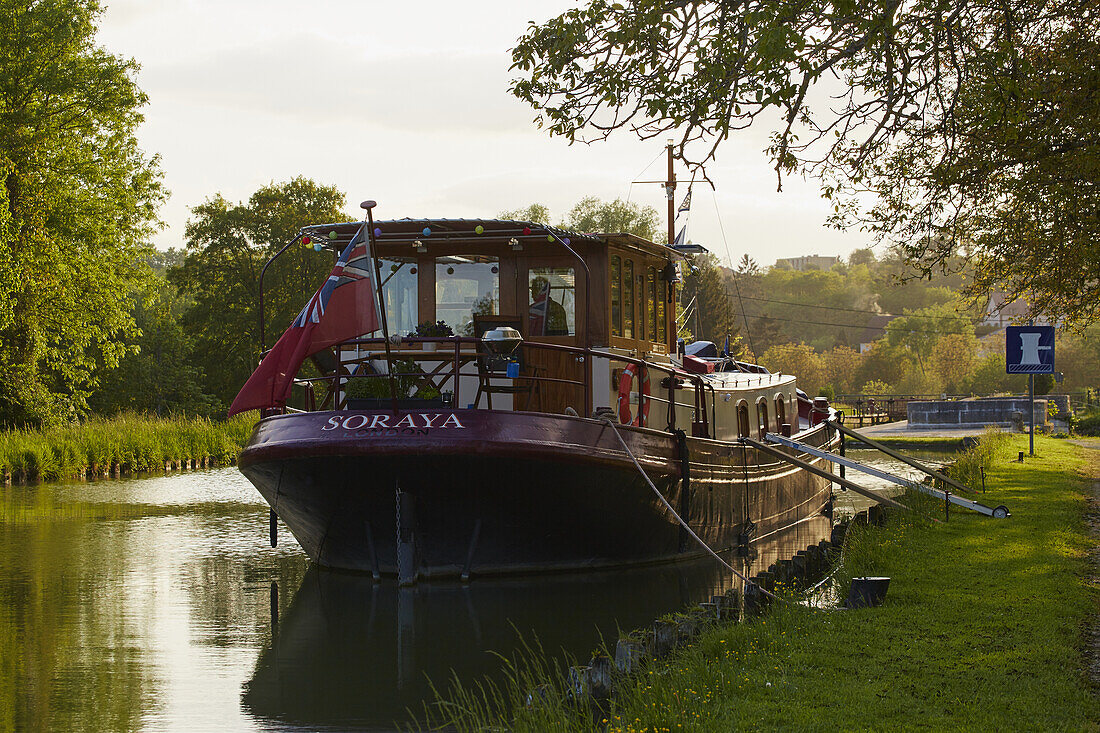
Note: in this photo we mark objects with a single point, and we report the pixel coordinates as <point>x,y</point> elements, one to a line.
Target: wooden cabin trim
<point>458,237</point>
<point>780,411</point>
<point>743,425</point>
<point>762,416</point>
<point>425,288</point>
<point>644,337</point>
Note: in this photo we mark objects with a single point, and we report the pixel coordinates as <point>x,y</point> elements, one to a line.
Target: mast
<point>670,191</point>
<point>375,264</point>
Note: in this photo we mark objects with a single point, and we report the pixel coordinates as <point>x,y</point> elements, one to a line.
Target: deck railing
<point>451,354</point>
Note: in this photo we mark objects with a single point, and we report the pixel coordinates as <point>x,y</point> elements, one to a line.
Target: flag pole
<point>368,205</point>
<point>670,189</point>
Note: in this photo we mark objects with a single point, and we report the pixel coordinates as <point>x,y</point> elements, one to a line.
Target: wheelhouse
<point>596,315</point>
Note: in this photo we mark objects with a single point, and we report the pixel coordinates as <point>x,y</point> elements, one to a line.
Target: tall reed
<point>127,443</point>
<point>969,466</point>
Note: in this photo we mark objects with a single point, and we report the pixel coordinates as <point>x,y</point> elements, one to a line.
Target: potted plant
<point>372,390</point>
<point>427,329</point>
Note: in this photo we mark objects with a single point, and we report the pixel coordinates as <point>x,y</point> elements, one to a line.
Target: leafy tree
<point>874,387</point>
<point>953,359</point>
<point>79,203</point>
<point>227,246</point>
<point>1077,356</point>
<point>988,376</point>
<point>912,337</point>
<point>763,333</point>
<point>161,260</point>
<point>1019,189</point>
<point>711,316</point>
<point>590,214</point>
<point>800,360</point>
<point>882,364</point>
<point>747,266</point>
<point>157,375</point>
<point>841,366</point>
<point>820,308</point>
<point>864,256</point>
<point>972,124</point>
<point>537,213</point>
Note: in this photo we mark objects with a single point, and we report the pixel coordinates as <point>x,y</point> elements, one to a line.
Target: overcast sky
<point>408,104</point>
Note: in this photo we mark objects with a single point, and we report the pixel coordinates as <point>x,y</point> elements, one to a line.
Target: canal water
<point>157,604</point>
<point>847,503</point>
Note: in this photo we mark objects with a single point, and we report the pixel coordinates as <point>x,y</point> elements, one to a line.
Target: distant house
<point>999,314</point>
<point>875,329</point>
<point>807,262</point>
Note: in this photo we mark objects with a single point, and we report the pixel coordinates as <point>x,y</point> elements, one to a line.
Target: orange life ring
<point>626,381</point>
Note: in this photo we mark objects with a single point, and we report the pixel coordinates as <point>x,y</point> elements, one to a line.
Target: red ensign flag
<point>344,308</point>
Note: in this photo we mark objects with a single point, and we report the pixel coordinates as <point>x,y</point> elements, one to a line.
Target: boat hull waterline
<point>482,492</point>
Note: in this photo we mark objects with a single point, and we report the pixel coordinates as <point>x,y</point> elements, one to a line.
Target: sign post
<point>1030,350</point>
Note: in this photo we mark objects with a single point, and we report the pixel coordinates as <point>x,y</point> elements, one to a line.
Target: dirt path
<point>1092,516</point>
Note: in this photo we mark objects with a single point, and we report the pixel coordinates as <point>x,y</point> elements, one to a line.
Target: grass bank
<point>939,443</point>
<point>128,443</point>
<point>982,629</point>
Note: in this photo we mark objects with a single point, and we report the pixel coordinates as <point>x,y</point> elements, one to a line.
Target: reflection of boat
<point>425,482</point>
<point>351,653</point>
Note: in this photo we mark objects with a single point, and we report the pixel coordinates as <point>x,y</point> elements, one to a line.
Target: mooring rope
<point>684,524</point>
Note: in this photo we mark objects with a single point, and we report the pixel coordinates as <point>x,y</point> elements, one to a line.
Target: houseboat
<point>514,436</point>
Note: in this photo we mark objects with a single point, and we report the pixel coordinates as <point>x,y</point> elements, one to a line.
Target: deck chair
<point>492,377</point>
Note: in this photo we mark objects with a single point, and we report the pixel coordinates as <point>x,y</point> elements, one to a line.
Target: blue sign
<point>1029,350</point>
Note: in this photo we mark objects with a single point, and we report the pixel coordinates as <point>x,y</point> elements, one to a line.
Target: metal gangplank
<point>999,512</point>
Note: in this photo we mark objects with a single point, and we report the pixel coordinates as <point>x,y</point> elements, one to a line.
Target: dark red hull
<point>511,492</point>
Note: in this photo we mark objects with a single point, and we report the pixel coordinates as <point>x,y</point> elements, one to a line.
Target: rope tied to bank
<point>684,524</point>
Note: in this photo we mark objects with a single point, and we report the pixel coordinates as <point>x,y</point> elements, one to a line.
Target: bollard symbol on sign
<point>1029,350</point>
<point>1029,347</point>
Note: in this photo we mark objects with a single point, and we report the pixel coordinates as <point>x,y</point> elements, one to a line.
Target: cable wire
<point>848,310</point>
<point>679,519</point>
<point>736,284</point>
<point>857,325</point>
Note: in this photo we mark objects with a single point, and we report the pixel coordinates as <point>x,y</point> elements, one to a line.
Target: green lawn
<point>982,630</point>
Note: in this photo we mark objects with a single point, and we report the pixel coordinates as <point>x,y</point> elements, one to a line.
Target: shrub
<point>134,442</point>
<point>408,377</point>
<point>876,386</point>
<point>1088,424</point>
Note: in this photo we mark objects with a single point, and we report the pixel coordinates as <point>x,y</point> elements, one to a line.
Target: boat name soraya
<point>374,422</point>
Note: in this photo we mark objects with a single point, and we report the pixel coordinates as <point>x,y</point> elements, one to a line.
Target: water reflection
<point>146,604</point>
<point>847,503</point>
<point>138,604</point>
<point>353,654</point>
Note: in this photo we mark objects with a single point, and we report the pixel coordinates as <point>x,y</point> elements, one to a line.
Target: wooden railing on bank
<point>874,409</point>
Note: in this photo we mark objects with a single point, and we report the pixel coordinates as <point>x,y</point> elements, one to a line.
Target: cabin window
<point>662,332</point>
<point>616,296</point>
<point>742,419</point>
<point>780,413</point>
<point>762,417</point>
<point>552,308</point>
<point>399,291</point>
<point>628,299</point>
<point>651,302</point>
<point>464,287</point>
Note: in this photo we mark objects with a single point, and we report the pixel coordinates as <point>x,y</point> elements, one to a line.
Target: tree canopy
<point>969,125</point>
<point>78,204</point>
<point>227,246</point>
<point>593,214</point>
<point>707,313</point>
<point>590,214</point>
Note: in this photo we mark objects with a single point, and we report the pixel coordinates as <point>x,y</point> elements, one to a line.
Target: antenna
<point>368,224</point>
